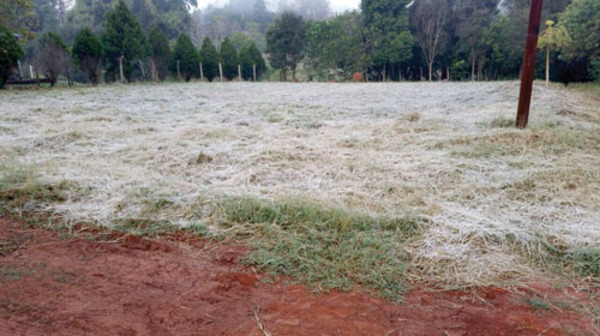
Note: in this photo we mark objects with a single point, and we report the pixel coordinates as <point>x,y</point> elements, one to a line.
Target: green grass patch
<point>586,262</point>
<point>20,188</point>
<point>326,248</point>
<point>538,304</point>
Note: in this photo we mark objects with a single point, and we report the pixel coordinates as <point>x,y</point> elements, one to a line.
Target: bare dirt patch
<point>96,282</point>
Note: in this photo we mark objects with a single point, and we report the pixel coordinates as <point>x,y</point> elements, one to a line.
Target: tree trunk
<point>548,64</point>
<point>69,77</point>
<point>430,65</point>
<point>153,71</point>
<point>254,72</point>
<point>221,72</point>
<point>448,73</point>
<point>178,71</point>
<point>201,72</point>
<point>142,69</point>
<point>384,72</point>
<point>472,68</point>
<point>121,74</point>
<point>240,72</point>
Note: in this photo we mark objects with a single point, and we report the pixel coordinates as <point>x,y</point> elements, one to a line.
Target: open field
<point>417,183</point>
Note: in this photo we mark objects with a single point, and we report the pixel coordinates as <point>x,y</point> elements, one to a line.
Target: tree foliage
<point>185,53</point>
<point>19,16</point>
<point>387,39</point>
<point>334,45</point>
<point>582,22</point>
<point>285,42</point>
<point>230,59</point>
<point>10,53</point>
<point>87,54</point>
<point>251,57</point>
<point>123,37</point>
<point>210,59</point>
<point>160,53</point>
<point>171,16</point>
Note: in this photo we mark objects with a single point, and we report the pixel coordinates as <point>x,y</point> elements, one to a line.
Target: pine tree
<point>185,53</point>
<point>10,52</point>
<point>87,53</point>
<point>285,42</point>
<point>123,38</point>
<point>230,59</point>
<point>250,56</point>
<point>160,53</point>
<point>210,59</point>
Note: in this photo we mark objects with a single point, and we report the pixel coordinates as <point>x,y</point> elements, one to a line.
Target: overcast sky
<point>336,5</point>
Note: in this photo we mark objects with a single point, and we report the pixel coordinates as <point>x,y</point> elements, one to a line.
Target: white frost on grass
<point>166,151</point>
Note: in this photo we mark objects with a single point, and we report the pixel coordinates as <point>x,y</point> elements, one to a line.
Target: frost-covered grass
<point>494,204</point>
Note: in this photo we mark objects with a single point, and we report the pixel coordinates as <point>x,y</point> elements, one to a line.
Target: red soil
<point>99,283</point>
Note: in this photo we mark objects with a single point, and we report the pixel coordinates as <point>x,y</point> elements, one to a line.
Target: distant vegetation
<point>385,40</point>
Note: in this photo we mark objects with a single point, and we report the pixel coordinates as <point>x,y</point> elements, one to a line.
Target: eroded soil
<point>101,283</point>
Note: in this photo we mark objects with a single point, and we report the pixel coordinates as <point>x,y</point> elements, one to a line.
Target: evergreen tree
<point>210,59</point>
<point>160,53</point>
<point>87,53</point>
<point>230,59</point>
<point>123,38</point>
<point>285,42</point>
<point>250,56</point>
<point>185,52</point>
<point>10,53</point>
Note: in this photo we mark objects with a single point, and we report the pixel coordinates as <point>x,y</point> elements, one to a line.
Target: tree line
<point>383,40</point>
<point>122,52</point>
<point>440,40</point>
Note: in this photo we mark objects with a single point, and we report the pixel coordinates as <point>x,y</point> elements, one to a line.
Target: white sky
<point>336,5</point>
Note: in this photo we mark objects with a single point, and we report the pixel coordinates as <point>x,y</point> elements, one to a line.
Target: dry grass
<point>497,204</point>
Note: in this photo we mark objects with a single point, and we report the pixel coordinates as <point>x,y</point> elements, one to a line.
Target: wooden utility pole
<point>535,17</point>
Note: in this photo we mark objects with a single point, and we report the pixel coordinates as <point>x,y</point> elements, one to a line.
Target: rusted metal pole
<point>535,17</point>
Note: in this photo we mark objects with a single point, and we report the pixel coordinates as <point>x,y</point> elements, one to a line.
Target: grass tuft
<point>326,248</point>
<point>20,188</point>
<point>144,227</point>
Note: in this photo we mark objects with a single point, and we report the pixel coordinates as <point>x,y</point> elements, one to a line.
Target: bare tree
<point>52,57</point>
<point>313,9</point>
<point>429,22</point>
